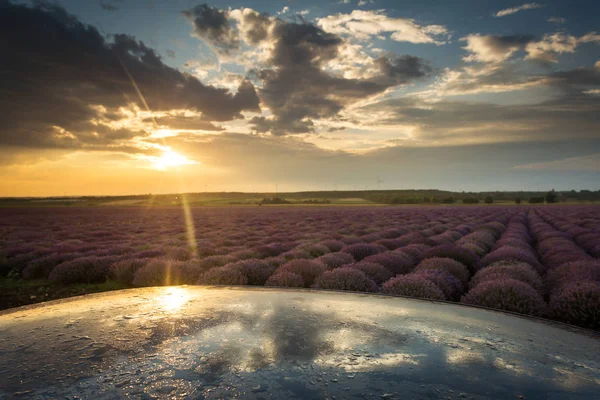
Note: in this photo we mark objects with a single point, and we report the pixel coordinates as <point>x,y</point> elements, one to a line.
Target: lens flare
<point>170,159</point>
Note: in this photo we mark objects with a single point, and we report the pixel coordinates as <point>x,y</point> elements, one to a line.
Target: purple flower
<point>396,262</point>
<point>392,244</point>
<point>41,267</point>
<point>522,272</point>
<point>158,272</point>
<point>307,269</point>
<point>362,250</point>
<point>376,272</point>
<point>446,282</point>
<point>124,271</point>
<point>315,250</point>
<point>511,253</point>
<point>506,294</point>
<point>333,245</point>
<point>579,271</point>
<point>256,271</point>
<point>460,254</point>
<point>415,251</point>
<point>82,270</point>
<point>453,267</point>
<point>413,285</point>
<point>345,278</point>
<point>223,276</point>
<point>578,303</point>
<point>336,260</point>
<point>285,279</point>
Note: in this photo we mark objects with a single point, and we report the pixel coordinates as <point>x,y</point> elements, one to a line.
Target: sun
<point>170,159</point>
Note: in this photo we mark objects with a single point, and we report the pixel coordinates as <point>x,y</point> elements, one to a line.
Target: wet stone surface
<point>215,343</point>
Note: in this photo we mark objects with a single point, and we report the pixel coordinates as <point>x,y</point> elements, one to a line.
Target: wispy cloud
<point>584,163</point>
<point>513,10</point>
<point>365,25</point>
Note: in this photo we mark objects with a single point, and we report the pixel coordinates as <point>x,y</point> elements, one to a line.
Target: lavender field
<point>540,261</point>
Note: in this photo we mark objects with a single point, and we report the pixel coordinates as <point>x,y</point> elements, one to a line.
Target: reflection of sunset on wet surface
<point>204,342</point>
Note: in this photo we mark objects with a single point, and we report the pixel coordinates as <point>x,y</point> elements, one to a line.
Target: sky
<point>118,97</point>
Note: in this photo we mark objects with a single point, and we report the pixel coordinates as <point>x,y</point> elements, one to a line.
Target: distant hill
<point>387,197</point>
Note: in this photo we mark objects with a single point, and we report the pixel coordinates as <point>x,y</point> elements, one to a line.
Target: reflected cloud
<point>220,342</point>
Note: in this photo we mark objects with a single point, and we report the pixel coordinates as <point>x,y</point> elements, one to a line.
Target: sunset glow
<point>311,95</point>
<point>170,159</point>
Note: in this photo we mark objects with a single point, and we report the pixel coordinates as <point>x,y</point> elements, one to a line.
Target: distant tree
<point>448,200</point>
<point>551,197</point>
<point>536,200</point>
<point>426,199</point>
<point>470,200</point>
<point>489,200</point>
<point>518,200</point>
<point>275,200</point>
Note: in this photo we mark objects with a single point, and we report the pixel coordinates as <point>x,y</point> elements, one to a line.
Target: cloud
<point>493,48</point>
<point>486,78</point>
<point>513,10</point>
<point>364,25</point>
<point>576,80</point>
<point>213,25</point>
<point>549,46</point>
<point>453,122</point>
<point>557,20</point>
<point>184,122</point>
<point>403,69</point>
<point>497,49</point>
<point>298,90</point>
<point>299,69</point>
<point>107,7</point>
<point>583,163</point>
<point>300,165</point>
<point>591,37</point>
<point>546,49</point>
<point>73,92</point>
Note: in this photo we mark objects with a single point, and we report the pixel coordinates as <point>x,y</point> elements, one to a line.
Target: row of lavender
<point>532,261</point>
<point>540,270</point>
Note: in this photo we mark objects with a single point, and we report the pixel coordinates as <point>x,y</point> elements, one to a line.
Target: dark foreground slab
<point>196,342</point>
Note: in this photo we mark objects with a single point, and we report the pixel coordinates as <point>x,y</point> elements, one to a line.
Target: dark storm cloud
<point>296,87</point>
<point>213,25</point>
<point>402,69</point>
<point>57,70</point>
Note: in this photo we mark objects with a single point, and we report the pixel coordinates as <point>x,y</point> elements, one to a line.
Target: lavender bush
<point>453,267</point>
<point>413,285</point>
<point>578,303</point>
<point>285,279</point>
<point>374,271</point>
<point>308,270</point>
<point>345,278</point>
<point>506,294</point>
